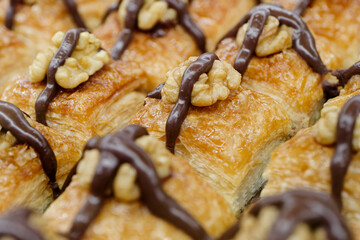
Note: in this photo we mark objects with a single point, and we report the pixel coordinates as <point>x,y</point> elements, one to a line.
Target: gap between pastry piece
<point>212,164</point>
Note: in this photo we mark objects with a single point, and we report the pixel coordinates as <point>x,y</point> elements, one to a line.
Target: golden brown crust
<point>159,55</point>
<point>118,220</point>
<point>226,142</point>
<point>23,181</point>
<point>14,56</point>
<point>77,111</point>
<point>286,77</point>
<point>302,162</point>
<point>335,25</point>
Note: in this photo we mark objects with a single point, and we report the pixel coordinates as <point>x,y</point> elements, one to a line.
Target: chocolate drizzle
<point>132,10</point>
<point>301,6</point>
<point>343,151</point>
<point>115,150</point>
<point>12,119</point>
<point>113,7</point>
<point>344,75</point>
<point>70,5</point>
<point>10,13</point>
<point>178,114</point>
<point>124,39</point>
<point>301,206</point>
<point>303,41</point>
<point>65,50</point>
<point>15,224</point>
<point>72,9</point>
<point>157,92</point>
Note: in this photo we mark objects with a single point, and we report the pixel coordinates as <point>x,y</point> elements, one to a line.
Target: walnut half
<point>325,128</point>
<point>85,60</point>
<point>273,39</point>
<point>151,12</point>
<point>125,187</point>
<point>211,87</point>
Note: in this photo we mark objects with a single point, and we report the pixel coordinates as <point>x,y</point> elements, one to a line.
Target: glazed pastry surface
<point>303,162</point>
<point>34,25</point>
<point>226,142</point>
<point>334,25</point>
<point>23,181</point>
<point>94,108</point>
<point>119,220</point>
<point>157,55</point>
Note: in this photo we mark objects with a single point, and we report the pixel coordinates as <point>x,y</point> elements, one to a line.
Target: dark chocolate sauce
<point>124,39</point>
<point>344,75</point>
<point>301,6</point>
<point>115,150</point>
<point>72,9</point>
<point>12,119</point>
<point>302,206</point>
<point>65,50</point>
<point>70,5</point>
<point>303,41</point>
<point>178,114</point>
<point>188,22</point>
<point>10,13</point>
<point>133,9</point>
<point>343,151</point>
<point>256,25</point>
<point>231,232</point>
<point>16,224</point>
<point>113,7</point>
<point>157,92</point>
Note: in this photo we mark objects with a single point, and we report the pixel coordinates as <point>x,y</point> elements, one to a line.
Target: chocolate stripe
<point>115,150</point>
<point>15,224</point>
<point>178,114</point>
<point>72,9</point>
<point>343,151</point>
<point>302,206</point>
<point>10,14</point>
<point>256,25</point>
<point>12,119</point>
<point>65,50</point>
<point>303,41</point>
<point>301,6</point>
<point>133,9</point>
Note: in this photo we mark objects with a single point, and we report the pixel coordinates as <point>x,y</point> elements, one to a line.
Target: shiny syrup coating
<point>303,41</point>
<point>178,114</point>
<point>302,206</point>
<point>65,50</point>
<point>13,120</point>
<point>16,224</point>
<point>115,150</point>
<point>70,5</point>
<point>132,10</point>
<point>343,150</point>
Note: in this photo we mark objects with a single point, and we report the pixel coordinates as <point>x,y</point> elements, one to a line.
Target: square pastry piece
<point>129,186</point>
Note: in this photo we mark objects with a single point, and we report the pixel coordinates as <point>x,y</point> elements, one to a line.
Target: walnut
<point>258,228</point>
<point>273,39</point>
<point>6,140</point>
<point>152,12</point>
<point>125,186</point>
<point>86,167</point>
<point>210,87</point>
<point>84,61</point>
<point>325,128</point>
